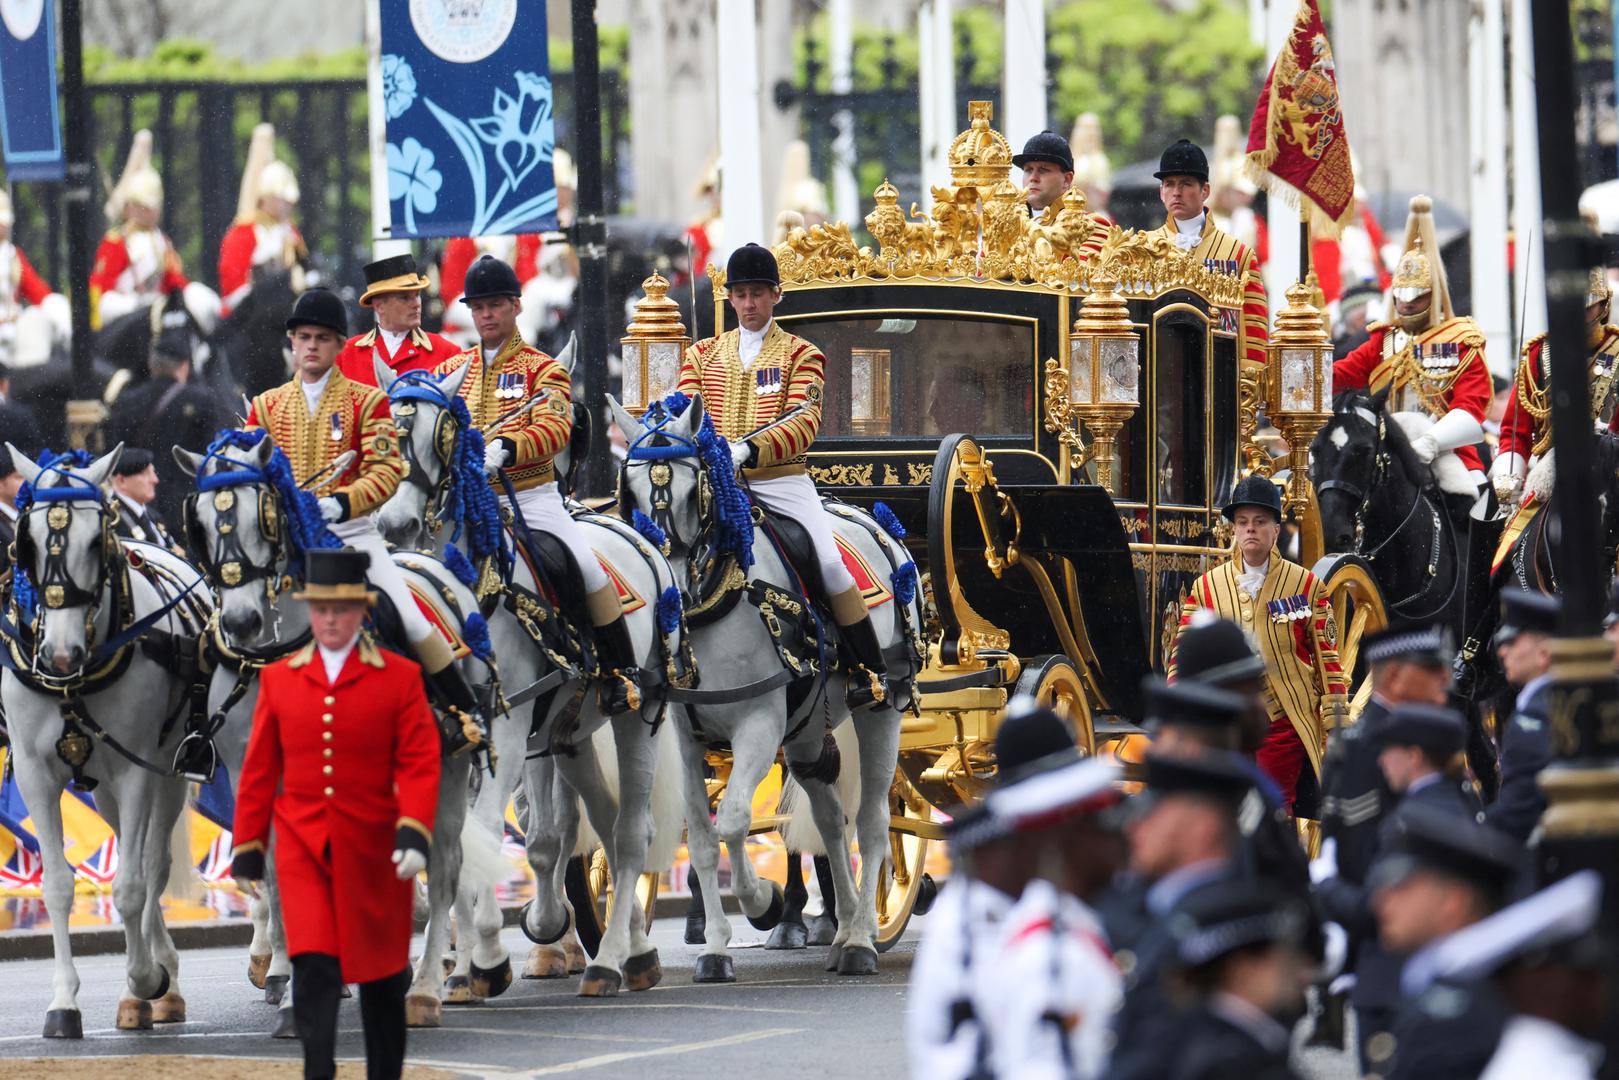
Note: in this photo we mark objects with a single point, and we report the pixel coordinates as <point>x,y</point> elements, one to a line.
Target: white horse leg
<point>258,950</point>
<point>753,752</point>
<point>632,836</point>
<point>278,983</point>
<point>826,809</point>
<point>124,796</point>
<point>422,1005</point>
<point>878,732</point>
<point>171,1007</point>
<point>41,789</point>
<point>714,964</point>
<point>550,830</point>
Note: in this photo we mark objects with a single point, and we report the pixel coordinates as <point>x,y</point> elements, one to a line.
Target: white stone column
<point>1023,80</point>
<point>673,92</point>
<point>1529,266</point>
<point>936,88</point>
<point>1492,297</point>
<point>737,65</point>
<point>845,193</point>
<point>382,246</point>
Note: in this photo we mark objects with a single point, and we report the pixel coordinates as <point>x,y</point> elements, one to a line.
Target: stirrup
<point>196,758</point>
<point>867,688</point>
<point>620,691</point>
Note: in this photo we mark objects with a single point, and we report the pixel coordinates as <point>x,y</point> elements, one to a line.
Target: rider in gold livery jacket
<point>764,387</point>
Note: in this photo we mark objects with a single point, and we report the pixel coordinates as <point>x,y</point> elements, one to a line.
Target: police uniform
<point>1219,252</point>
<point>415,349</point>
<point>342,769</point>
<point>533,393</point>
<point>1526,743</point>
<point>1432,362</point>
<point>1289,615</point>
<point>764,392</point>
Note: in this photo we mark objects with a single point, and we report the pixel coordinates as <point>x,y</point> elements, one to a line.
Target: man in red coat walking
<point>393,290</point>
<point>343,762</point>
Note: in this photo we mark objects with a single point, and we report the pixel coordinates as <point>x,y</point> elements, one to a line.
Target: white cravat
<point>1252,578</point>
<point>489,356</point>
<point>333,658</point>
<point>392,340</point>
<point>1189,232</point>
<point>751,343</point>
<point>313,390</point>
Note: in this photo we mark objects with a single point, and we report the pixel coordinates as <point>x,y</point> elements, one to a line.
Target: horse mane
<point>306,528</point>
<point>1394,440</point>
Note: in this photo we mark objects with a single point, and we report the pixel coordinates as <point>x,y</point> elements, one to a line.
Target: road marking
<point>623,1006</point>
<point>528,1034</point>
<point>662,1051</point>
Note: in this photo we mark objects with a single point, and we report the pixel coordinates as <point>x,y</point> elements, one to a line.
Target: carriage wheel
<point>1357,609</point>
<point>1054,682</point>
<point>904,879</point>
<point>589,889</point>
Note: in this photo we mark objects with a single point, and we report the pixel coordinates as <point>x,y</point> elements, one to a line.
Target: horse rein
<point>226,559</point>
<point>55,587</point>
<point>406,390</point>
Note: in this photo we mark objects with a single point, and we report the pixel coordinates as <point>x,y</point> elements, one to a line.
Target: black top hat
<point>133,460</point>
<point>1198,704</point>
<point>1234,914</point>
<point>1430,646</point>
<point>1524,612</point>
<point>1253,491</point>
<point>1420,837</point>
<point>397,273</point>
<point>490,277</point>
<point>1218,653</point>
<point>1211,774</point>
<point>1184,158</point>
<point>1030,740</point>
<point>1046,146</point>
<point>335,574</point>
<point>319,307</point>
<point>1429,726</point>
<point>751,264</point>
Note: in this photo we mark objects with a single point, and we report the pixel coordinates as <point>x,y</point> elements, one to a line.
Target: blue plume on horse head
<point>305,529</point>
<point>470,503</point>
<point>731,505</point>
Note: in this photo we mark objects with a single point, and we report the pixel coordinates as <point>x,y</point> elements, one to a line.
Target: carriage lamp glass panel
<point>1300,373</point>
<point>1120,370</point>
<point>662,368</point>
<point>1081,391</point>
<point>634,397</point>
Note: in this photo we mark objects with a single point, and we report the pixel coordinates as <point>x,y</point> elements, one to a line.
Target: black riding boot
<point>621,678</point>
<point>467,729</point>
<point>868,672</point>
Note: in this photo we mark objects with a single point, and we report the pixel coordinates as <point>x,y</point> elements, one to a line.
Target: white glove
<point>1325,865</point>
<point>408,862</point>
<point>1506,474</point>
<point>330,509</point>
<point>739,453</point>
<point>494,457</point>
<point>1336,950</point>
<point>1426,447</point>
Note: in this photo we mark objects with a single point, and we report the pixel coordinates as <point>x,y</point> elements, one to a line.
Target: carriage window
<point>924,375</point>
<point>1179,409</point>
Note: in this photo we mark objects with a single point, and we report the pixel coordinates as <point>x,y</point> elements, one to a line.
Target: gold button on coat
<point>328,791</point>
<point>327,770</point>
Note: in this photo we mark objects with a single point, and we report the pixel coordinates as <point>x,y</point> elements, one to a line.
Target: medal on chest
<point>509,385</point>
<point>1288,608</point>
<point>1227,267</point>
<point>1437,360</point>
<point>767,381</point>
<point>336,433</point>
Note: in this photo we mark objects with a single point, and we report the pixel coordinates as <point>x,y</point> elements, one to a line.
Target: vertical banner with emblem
<point>30,123</point>
<point>464,87</point>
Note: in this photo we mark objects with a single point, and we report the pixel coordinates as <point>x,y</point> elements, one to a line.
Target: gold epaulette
<point>1459,328</point>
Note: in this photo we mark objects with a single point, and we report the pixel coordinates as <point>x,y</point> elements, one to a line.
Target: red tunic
<point>461,252</point>
<point>421,350</point>
<point>236,251</point>
<point>113,271</point>
<point>29,285</point>
<point>1518,425</point>
<point>337,769</point>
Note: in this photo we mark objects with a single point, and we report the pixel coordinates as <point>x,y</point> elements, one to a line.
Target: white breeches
<point>544,511</point>
<point>384,573</point>
<point>796,497</point>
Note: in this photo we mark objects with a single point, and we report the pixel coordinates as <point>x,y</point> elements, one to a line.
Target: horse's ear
<point>567,356</point>
<point>450,384</point>
<point>1380,399</point>
<point>102,467</point>
<point>188,461</point>
<point>262,451</point>
<point>629,425</point>
<point>27,466</point>
<point>693,418</point>
<point>385,374</point>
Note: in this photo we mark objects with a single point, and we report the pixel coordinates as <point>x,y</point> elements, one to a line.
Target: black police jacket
<point>1526,748</point>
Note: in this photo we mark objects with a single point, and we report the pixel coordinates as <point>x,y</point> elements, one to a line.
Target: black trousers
<point>317,993</point>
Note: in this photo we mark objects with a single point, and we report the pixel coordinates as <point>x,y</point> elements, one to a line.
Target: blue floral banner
<point>30,126</point>
<point>466,89</point>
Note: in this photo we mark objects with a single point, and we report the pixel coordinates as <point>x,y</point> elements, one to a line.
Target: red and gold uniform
<point>419,350</point>
<point>336,768</point>
<point>139,265</point>
<point>1526,428</point>
<point>522,252</point>
<point>252,242</point>
<point>537,434</point>
<point>18,281</point>
<point>773,403</point>
<point>1225,254</point>
<point>1290,619</point>
<point>348,416</point>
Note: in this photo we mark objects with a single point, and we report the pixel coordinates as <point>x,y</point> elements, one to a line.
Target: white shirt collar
<point>392,340</point>
<point>752,342</point>
<point>138,509</point>
<point>333,658</point>
<point>1530,689</point>
<point>489,354</point>
<point>9,509</point>
<point>313,390</point>
<point>1189,232</point>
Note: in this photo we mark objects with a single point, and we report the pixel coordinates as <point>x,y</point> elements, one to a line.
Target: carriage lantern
<point>652,348</point>
<point>1104,374</point>
<point>1299,386</point>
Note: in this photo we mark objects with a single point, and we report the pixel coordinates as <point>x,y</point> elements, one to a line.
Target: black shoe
<point>868,672</point>
<point>620,689</point>
<point>462,725</point>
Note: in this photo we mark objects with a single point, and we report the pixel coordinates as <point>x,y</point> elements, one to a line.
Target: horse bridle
<point>409,388</point>
<point>55,586</point>
<point>225,559</point>
<point>664,458</point>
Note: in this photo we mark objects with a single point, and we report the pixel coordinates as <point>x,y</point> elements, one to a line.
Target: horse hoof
<point>857,960</point>
<point>134,1015</point>
<point>821,929</point>
<point>577,960</point>
<point>448,966</point>
<point>926,894</point>
<point>600,982</point>
<point>64,1024</point>
<point>169,1009</point>
<point>492,982</point>
<point>772,914</point>
<point>540,937</point>
<point>257,968</point>
<point>788,935</point>
<point>423,1011</point>
<point>545,962</point>
<point>275,988</point>
<point>695,927</point>
<point>643,972</point>
<point>285,1026</point>
<point>714,968</point>
<point>458,990</point>
<point>833,956</point>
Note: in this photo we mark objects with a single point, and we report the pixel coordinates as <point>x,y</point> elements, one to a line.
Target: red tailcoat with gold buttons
<point>334,770</point>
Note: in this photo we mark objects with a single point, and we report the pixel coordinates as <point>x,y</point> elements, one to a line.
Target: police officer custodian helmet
<point>1253,491</point>
<point>751,264</point>
<point>1184,158</point>
<point>1046,146</point>
<point>490,277</point>
<point>319,307</point>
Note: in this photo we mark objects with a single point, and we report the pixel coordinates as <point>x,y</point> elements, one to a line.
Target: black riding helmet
<point>319,307</point>
<point>491,277</point>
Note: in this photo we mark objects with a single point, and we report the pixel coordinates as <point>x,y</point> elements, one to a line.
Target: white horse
<point>631,803</point>
<point>82,700</point>
<point>242,521</point>
<point>674,476</point>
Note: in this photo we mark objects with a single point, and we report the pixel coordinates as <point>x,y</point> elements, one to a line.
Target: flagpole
<point>1304,244</point>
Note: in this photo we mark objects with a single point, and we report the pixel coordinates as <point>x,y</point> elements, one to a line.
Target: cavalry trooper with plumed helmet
<point>315,418</point>
<point>764,388</point>
<point>136,262</point>
<point>522,400</point>
<point>264,239</point>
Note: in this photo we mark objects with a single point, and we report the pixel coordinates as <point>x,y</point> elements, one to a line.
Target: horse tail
<point>482,867</point>
<point>799,831</point>
<point>668,799</point>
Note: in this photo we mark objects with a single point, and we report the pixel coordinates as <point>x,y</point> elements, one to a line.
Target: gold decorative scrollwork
<point>1183,528</point>
<point>1250,398</point>
<point>918,475</point>
<point>858,475</point>
<point>1155,562</point>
